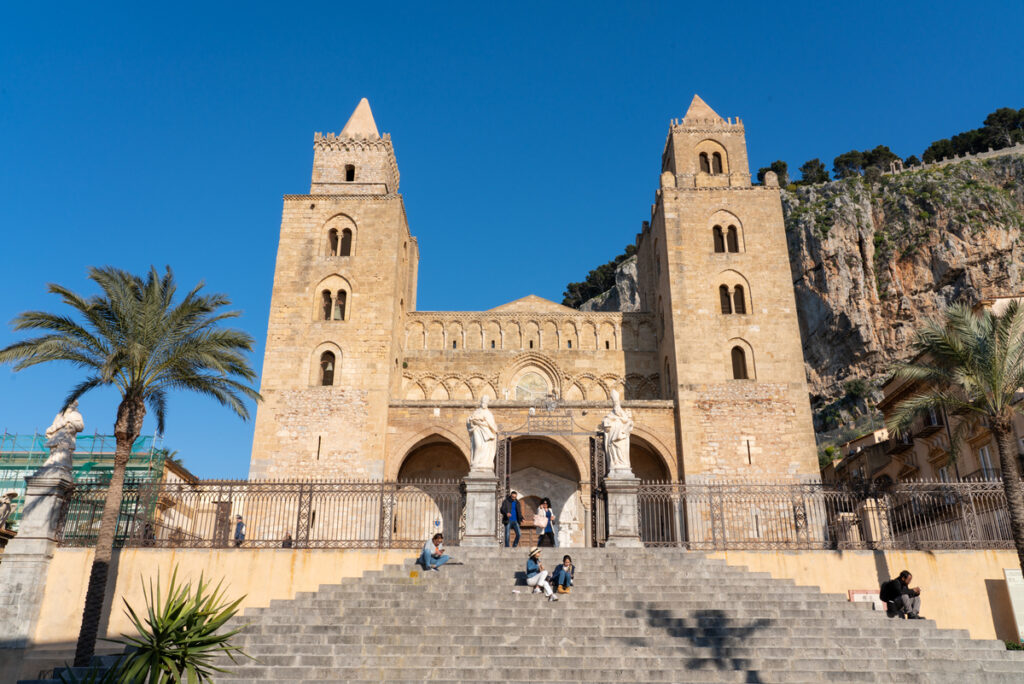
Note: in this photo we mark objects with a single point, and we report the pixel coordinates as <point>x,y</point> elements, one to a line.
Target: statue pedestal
<point>623,511</point>
<point>27,557</point>
<point>481,510</point>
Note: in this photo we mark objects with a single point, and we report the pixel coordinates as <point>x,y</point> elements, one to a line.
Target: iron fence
<point>908,515</point>
<point>272,514</point>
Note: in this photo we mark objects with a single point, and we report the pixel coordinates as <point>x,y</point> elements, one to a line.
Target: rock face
<point>625,296</point>
<point>872,258</point>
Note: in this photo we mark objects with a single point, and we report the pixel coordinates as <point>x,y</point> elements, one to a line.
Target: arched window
<point>332,242</point>
<point>327,369</point>
<point>531,344</point>
<point>326,295</point>
<point>346,242</point>
<point>739,303</point>
<point>607,344</point>
<point>716,163</point>
<point>719,240</point>
<point>339,305</point>
<point>705,165</point>
<point>723,295</point>
<point>570,343</point>
<point>350,173</point>
<point>492,344</point>
<point>739,364</point>
<point>454,345</point>
<point>733,239</point>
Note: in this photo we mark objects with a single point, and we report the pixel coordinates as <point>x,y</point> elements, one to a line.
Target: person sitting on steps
<point>536,575</point>
<point>900,599</point>
<point>563,575</point>
<point>433,553</point>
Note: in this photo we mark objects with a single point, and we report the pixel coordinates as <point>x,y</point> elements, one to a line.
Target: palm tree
<point>134,337</point>
<point>972,364</point>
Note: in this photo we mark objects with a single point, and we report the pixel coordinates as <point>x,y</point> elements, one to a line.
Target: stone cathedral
<point>359,384</point>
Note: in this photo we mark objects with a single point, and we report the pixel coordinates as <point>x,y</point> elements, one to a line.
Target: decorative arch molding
<point>731,278</point>
<point>711,147</point>
<point>748,350</point>
<point>655,445</point>
<point>532,360</point>
<point>313,363</point>
<point>581,461</point>
<point>339,222</point>
<point>726,226</point>
<point>433,433</point>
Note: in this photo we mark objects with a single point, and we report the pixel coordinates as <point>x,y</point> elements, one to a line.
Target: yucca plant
<point>137,338</point>
<point>179,638</point>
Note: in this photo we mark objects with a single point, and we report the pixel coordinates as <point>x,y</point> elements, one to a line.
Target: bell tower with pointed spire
<point>718,277</point>
<point>344,281</point>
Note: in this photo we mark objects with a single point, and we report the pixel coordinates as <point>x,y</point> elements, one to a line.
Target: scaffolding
<point>23,454</point>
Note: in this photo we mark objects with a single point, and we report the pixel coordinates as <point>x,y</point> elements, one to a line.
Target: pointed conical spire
<point>361,123</point>
<point>699,109</point>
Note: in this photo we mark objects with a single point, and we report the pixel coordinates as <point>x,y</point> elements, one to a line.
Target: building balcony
<point>897,445</point>
<point>932,424</point>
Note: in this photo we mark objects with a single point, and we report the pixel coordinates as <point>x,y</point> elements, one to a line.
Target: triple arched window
<point>732,301</point>
<point>339,243</point>
<point>726,240</point>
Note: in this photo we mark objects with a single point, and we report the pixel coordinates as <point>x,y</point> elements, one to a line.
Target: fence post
<point>27,557</point>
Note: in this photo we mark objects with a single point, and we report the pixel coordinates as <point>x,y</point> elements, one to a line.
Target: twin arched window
<point>333,305</point>
<point>712,164</point>
<point>327,363</point>
<point>339,244</point>
<point>732,302</point>
<point>726,240</point>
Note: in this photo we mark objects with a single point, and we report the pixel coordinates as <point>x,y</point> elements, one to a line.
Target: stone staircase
<point>635,615</point>
<point>640,615</point>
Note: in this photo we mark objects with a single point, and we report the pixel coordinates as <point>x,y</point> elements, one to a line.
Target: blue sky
<point>141,134</point>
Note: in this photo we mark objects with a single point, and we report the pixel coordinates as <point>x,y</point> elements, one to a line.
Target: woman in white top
<point>537,576</point>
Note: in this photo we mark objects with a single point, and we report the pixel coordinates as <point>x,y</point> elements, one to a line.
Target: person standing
<point>900,599</point>
<point>563,575</point>
<point>286,543</point>
<point>239,531</point>
<point>544,521</point>
<point>536,575</point>
<point>433,555</point>
<point>512,516</point>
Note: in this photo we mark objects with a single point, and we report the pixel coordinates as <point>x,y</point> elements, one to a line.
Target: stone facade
<point>359,384</point>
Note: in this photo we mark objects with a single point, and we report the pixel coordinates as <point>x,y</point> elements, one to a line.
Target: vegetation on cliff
<point>600,280</point>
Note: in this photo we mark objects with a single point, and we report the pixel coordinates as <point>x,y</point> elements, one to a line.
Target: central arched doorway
<point>426,498</point>
<point>541,468</point>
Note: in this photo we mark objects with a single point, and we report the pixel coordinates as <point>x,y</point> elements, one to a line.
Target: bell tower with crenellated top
<point>344,279</point>
<point>718,276</point>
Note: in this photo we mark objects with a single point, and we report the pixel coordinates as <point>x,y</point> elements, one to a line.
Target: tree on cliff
<point>135,338</point>
<point>1002,128</point>
<point>972,364</point>
<point>781,170</point>
<point>601,279</point>
<point>813,171</point>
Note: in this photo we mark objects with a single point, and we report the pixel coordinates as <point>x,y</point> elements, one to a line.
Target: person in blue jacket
<point>563,575</point>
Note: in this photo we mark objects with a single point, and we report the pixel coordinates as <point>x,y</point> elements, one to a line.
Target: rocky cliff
<point>873,257</point>
<point>625,296</point>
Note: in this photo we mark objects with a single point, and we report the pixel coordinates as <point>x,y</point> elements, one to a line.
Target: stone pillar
<point>26,560</point>
<point>623,511</point>
<point>874,523</point>
<point>481,510</point>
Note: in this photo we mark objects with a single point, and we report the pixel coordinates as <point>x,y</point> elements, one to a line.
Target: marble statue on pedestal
<point>483,439</point>
<point>62,436</point>
<point>617,426</point>
<point>7,507</point>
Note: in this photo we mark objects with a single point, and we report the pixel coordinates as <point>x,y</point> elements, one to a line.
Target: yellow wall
<point>259,574</point>
<point>959,589</point>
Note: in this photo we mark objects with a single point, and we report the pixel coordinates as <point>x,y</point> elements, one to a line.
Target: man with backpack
<point>900,599</point>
